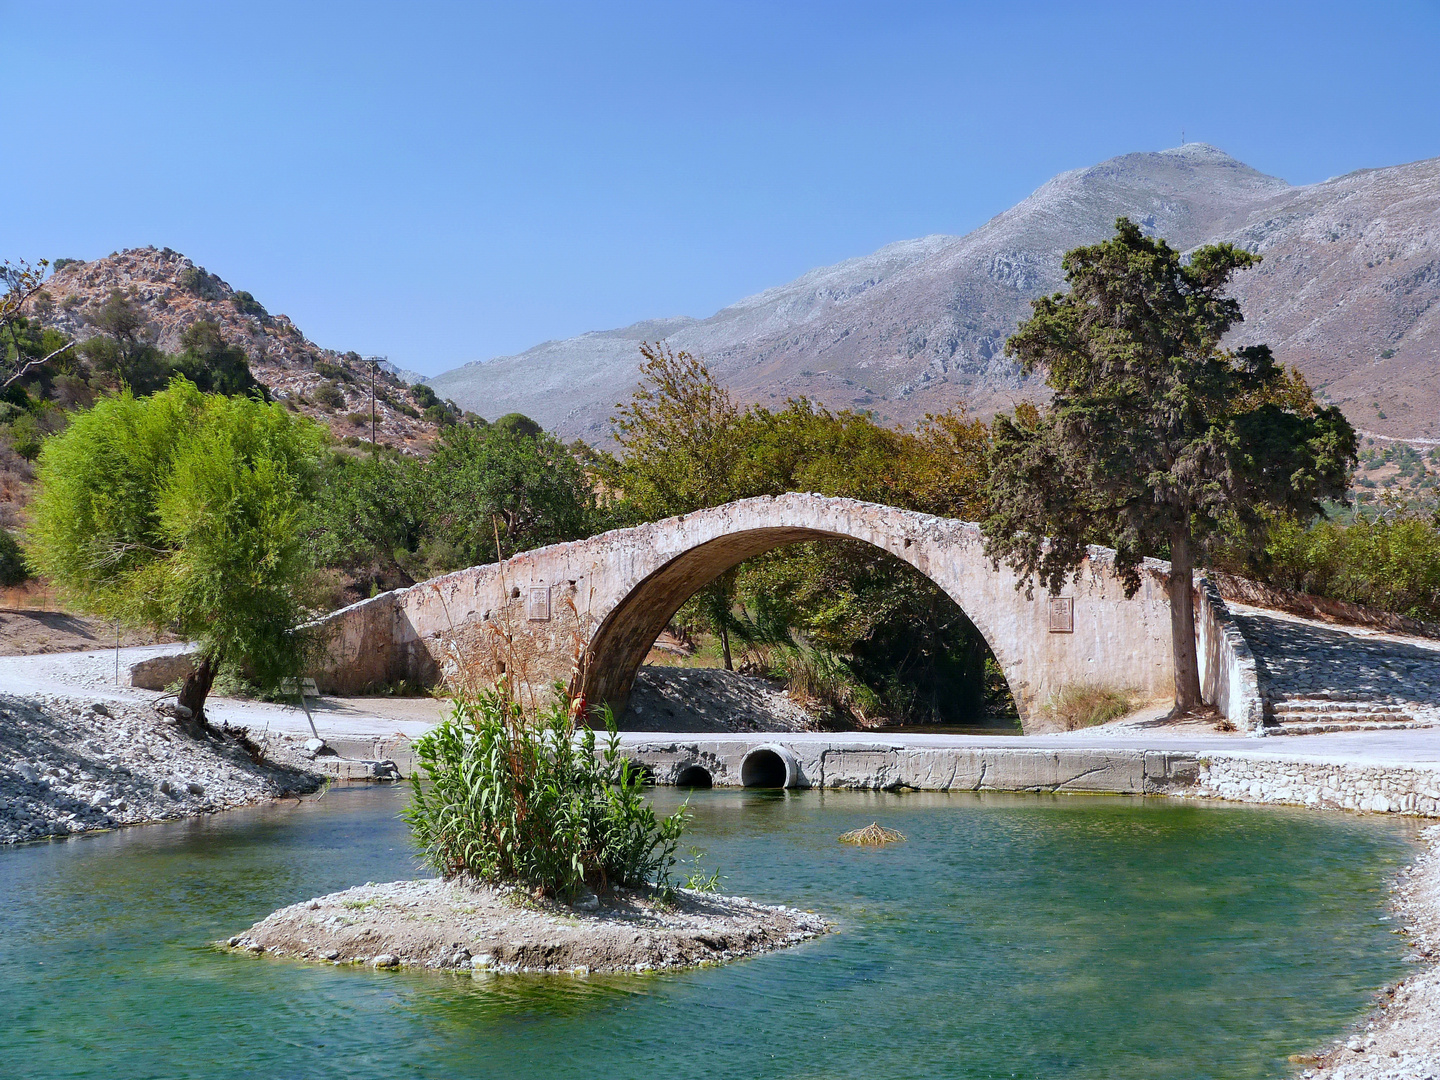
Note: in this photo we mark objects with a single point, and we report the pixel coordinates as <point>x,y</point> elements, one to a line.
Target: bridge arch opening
<point>620,644</point>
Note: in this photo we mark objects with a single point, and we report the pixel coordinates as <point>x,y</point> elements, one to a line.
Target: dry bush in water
<point>872,835</point>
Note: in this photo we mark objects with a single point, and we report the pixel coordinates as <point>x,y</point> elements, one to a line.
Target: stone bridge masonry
<point>586,613</point>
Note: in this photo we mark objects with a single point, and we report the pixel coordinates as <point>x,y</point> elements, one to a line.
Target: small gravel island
<point>550,859</point>
<point>467,925</point>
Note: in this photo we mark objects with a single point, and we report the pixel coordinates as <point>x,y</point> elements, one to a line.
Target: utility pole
<point>374,362</point>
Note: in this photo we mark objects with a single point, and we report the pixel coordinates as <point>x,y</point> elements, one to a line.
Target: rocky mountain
<point>1347,292</point>
<point>174,293</point>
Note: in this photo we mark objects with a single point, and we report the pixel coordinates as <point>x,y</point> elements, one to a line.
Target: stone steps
<point>1295,706</point>
<point>1326,726</point>
<point>1320,713</point>
<point>1336,710</point>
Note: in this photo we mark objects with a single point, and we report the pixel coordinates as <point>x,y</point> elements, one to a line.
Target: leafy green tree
<point>21,285</point>
<point>34,355</point>
<point>213,364</point>
<point>1158,440</point>
<point>527,487</point>
<point>185,511</point>
<point>370,514</point>
<point>678,437</point>
<point>122,349</point>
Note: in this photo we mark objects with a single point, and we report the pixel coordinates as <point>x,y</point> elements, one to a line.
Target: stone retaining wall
<point>1394,789</point>
<point>1256,778</point>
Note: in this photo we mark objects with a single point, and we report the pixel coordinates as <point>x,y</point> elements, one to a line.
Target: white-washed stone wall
<point>1228,676</point>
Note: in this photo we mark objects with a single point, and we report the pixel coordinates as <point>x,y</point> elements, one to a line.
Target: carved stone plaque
<point>537,603</point>
<point>1062,614</point>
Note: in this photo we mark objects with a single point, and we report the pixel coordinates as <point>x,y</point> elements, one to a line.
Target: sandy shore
<point>476,927</point>
<point>1401,1041</point>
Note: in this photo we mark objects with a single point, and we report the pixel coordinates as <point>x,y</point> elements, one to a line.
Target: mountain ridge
<point>919,325</point>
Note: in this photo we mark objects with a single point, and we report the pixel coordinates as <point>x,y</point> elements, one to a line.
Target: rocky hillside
<point>1347,292</point>
<point>174,293</point>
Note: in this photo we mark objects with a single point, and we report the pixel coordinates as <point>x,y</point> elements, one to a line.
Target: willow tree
<point>1159,440</point>
<point>185,512</point>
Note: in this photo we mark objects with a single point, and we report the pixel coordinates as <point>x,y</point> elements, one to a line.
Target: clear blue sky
<point>443,183</point>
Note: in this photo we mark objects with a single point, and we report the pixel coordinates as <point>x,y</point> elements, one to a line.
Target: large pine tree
<point>1159,441</point>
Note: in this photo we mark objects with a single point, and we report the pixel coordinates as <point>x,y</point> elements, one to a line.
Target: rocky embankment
<point>475,927</point>
<point>1402,1040</point>
<point>711,700</point>
<point>69,766</point>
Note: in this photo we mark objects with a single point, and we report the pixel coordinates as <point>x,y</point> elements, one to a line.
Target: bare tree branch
<point>35,364</point>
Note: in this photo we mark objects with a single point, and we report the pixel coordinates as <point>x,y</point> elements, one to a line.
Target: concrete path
<point>92,675</point>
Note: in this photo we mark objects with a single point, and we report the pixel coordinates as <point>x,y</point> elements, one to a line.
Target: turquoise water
<point>1011,936</point>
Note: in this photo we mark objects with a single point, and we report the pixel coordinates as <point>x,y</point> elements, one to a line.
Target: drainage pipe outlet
<point>770,765</point>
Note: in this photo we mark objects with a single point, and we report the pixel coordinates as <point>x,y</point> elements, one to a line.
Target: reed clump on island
<point>502,793</point>
<point>523,813</point>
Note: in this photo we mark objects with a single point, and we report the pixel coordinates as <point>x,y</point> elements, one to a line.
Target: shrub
<point>1080,705</point>
<point>423,396</point>
<point>248,305</point>
<point>13,570</point>
<point>329,395</point>
<point>327,370</point>
<point>1393,563</point>
<point>358,419</point>
<point>514,796</point>
<point>400,407</point>
<point>199,283</point>
<point>26,437</point>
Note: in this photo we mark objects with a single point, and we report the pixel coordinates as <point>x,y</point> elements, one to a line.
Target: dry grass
<point>872,835</point>
<point>1080,705</point>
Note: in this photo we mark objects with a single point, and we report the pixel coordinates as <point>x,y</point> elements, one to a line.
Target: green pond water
<point>1011,936</point>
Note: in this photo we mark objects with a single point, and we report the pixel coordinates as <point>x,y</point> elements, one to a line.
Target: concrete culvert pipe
<point>640,769</point>
<point>770,766</point>
<point>694,776</point>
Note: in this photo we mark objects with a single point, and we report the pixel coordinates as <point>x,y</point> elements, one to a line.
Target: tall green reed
<point>513,794</point>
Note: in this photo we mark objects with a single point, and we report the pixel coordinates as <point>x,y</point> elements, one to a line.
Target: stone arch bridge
<point>588,612</point>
